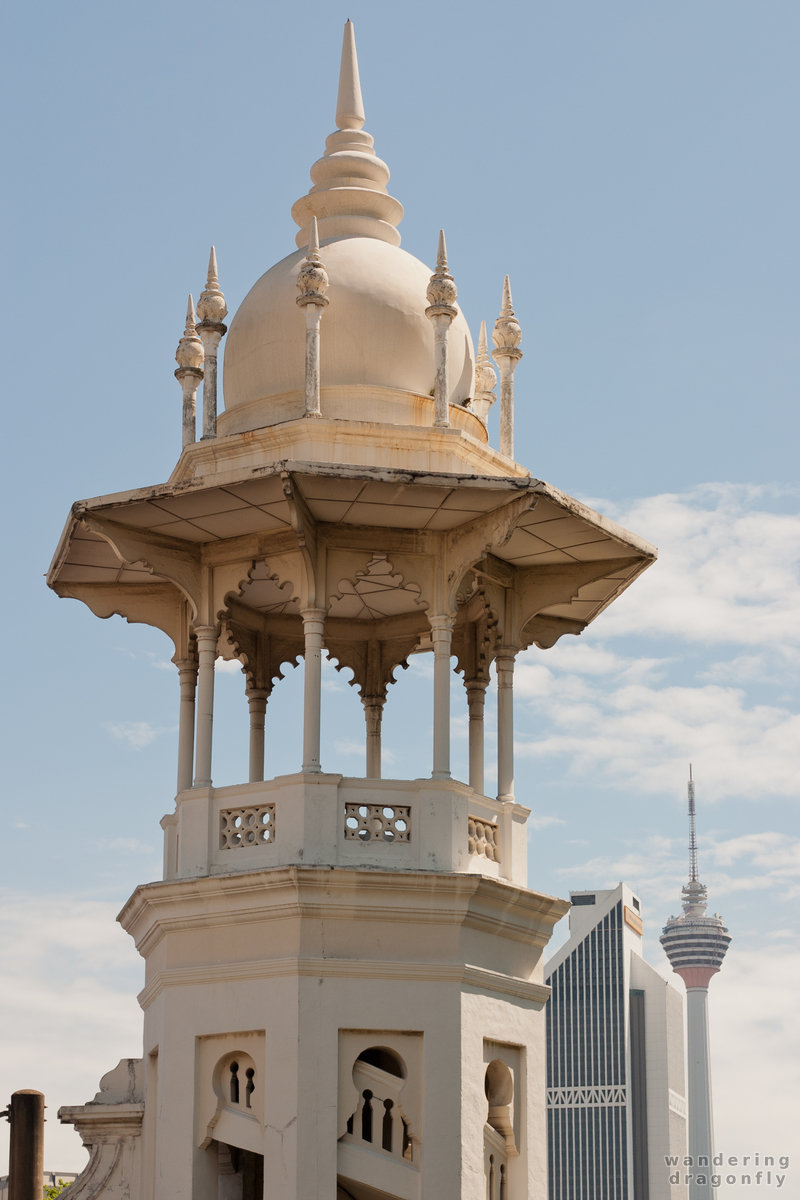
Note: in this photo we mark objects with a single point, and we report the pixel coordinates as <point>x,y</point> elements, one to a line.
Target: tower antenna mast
<point>692,831</point>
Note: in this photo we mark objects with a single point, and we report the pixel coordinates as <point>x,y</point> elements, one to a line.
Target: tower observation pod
<point>695,945</point>
<point>344,980</point>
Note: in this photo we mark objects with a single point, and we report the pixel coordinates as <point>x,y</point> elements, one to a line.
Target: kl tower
<point>695,945</point>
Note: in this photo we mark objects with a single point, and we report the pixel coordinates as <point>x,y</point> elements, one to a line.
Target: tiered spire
<point>349,196</point>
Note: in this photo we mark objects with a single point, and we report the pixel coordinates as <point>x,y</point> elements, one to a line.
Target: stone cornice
<point>483,980</point>
<point>341,894</point>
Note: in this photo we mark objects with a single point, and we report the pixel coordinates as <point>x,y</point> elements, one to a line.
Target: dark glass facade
<point>587,1085</point>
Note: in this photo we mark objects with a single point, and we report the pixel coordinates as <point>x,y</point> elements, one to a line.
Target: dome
<point>374,333</point>
<point>377,346</point>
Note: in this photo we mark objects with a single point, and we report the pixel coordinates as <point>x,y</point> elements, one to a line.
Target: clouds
<point>71,1012</point>
<point>656,866</point>
<point>136,734</point>
<point>728,576</point>
<point>727,572</point>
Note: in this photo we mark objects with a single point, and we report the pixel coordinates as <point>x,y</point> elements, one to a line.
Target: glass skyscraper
<point>616,1095</point>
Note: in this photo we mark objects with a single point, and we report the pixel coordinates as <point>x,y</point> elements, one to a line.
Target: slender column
<point>187,674</point>
<point>212,310</point>
<point>507,336</point>
<point>257,703</point>
<point>189,357</point>
<point>313,629</point>
<point>26,1150</point>
<point>207,653</point>
<point>441,634</point>
<point>373,715</point>
<point>312,282</point>
<point>504,665</point>
<point>441,309</point>
<point>701,1131</point>
<point>476,702</point>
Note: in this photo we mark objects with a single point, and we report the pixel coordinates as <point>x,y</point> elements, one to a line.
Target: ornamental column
<point>441,636</point>
<point>373,716</point>
<point>476,704</point>
<point>211,309</point>
<point>313,629</point>
<point>187,675</point>
<point>207,654</point>
<point>504,665</point>
<point>507,336</point>
<point>189,374</point>
<point>441,301</point>
<point>257,704</point>
<point>312,282</point>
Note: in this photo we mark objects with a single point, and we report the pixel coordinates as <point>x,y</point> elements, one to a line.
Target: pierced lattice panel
<point>253,825</point>
<point>377,822</point>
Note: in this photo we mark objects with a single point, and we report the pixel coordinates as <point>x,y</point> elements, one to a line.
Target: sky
<point>632,167</point>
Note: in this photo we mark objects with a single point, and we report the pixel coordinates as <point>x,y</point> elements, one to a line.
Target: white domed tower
<point>343,975</point>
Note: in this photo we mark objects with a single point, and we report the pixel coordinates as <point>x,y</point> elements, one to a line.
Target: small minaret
<point>189,357</point>
<point>485,378</point>
<point>695,945</point>
<point>441,309</point>
<point>312,283</point>
<point>507,336</point>
<point>212,310</point>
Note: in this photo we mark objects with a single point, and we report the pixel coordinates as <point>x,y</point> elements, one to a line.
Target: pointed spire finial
<point>312,278</point>
<point>441,253</point>
<point>211,306</point>
<point>442,293</point>
<point>211,309</point>
<point>485,377</point>
<point>507,336</point>
<point>349,104</point>
<point>189,357</point>
<point>349,195</point>
<point>190,349</point>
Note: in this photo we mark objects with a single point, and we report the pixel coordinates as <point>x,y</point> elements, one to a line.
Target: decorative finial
<point>211,308</point>
<point>312,278</point>
<point>189,357</point>
<point>441,309</point>
<point>190,348</point>
<point>485,378</point>
<point>507,336</point>
<point>349,105</point>
<point>442,292</point>
<point>349,195</point>
<point>312,283</point>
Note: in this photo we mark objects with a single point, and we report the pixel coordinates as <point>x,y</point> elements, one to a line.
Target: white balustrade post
<point>313,629</point>
<point>373,716</point>
<point>207,653</point>
<point>476,703</point>
<point>257,703</point>
<point>187,675</point>
<point>504,665</point>
<point>441,634</point>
